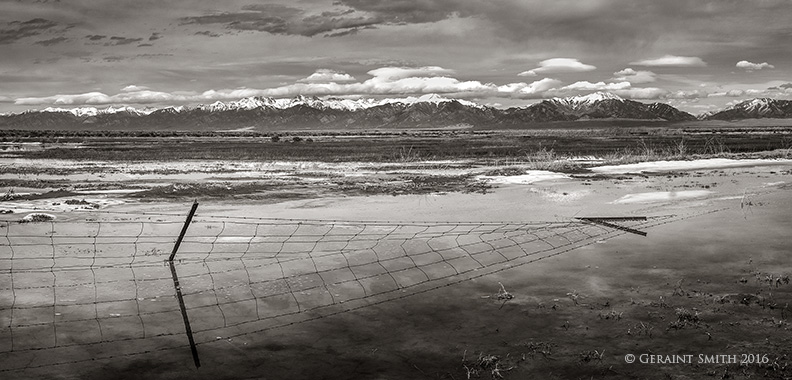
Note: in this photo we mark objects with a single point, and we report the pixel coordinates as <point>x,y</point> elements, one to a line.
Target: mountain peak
<point>432,98</point>
<point>427,98</point>
<point>594,97</point>
<point>604,105</point>
<point>755,109</point>
<point>754,102</point>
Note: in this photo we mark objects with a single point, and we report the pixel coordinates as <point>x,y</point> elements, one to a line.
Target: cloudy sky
<point>698,55</point>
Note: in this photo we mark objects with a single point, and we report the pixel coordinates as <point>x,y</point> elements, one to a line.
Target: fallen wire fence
<point>77,291</point>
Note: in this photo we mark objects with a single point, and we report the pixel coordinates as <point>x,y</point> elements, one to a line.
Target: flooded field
<point>527,274</point>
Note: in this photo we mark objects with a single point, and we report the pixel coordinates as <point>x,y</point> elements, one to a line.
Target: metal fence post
<point>176,285</point>
<point>183,231</point>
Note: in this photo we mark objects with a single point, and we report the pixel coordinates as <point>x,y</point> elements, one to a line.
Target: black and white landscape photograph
<point>395,189</point>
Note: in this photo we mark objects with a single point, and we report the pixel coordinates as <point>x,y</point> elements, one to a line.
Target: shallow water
<point>249,321</point>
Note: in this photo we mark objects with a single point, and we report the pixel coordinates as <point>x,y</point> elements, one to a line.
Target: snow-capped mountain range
<point>429,110</point>
<point>93,111</point>
<point>251,103</point>
<point>758,108</point>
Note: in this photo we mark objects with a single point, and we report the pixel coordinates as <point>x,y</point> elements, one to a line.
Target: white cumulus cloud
<point>133,87</point>
<point>384,81</point>
<point>599,86</point>
<point>328,76</point>
<point>687,94</point>
<point>634,76</point>
<point>672,61</point>
<point>393,73</point>
<point>741,93</point>
<point>558,65</point>
<point>524,89</point>
<point>750,66</point>
<point>92,98</point>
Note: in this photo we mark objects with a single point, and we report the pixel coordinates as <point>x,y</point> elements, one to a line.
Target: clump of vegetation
<point>661,303</point>
<point>507,171</point>
<point>485,363</point>
<point>544,348</point>
<point>685,315</point>
<point>613,314</point>
<point>405,154</point>
<point>215,189</point>
<point>685,318</point>
<point>769,279</point>
<point>37,217</point>
<point>544,159</point>
<point>641,329</point>
<point>412,184</point>
<point>776,280</point>
<point>574,296</point>
<point>503,295</point>
<point>8,196</point>
<point>81,202</point>
<point>678,291</point>
<point>591,355</point>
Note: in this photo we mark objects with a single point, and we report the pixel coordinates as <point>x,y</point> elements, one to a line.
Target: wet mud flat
<point>713,280</point>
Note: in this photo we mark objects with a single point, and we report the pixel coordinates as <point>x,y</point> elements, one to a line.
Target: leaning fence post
<point>176,285</point>
<point>183,231</point>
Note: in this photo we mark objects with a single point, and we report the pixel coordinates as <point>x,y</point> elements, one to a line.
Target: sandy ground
<point>709,282</point>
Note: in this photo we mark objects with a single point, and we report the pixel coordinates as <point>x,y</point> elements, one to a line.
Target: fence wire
<point>76,291</point>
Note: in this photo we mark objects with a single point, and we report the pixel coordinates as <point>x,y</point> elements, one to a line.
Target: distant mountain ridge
<point>427,111</point>
<point>759,108</point>
<point>600,105</point>
<point>251,103</point>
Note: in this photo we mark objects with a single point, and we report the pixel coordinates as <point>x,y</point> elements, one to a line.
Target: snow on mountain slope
<point>585,102</point>
<point>333,103</point>
<point>93,111</point>
<point>755,109</point>
<point>592,98</point>
<point>598,105</point>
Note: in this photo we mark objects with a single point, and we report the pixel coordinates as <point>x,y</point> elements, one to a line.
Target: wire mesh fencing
<point>87,290</point>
